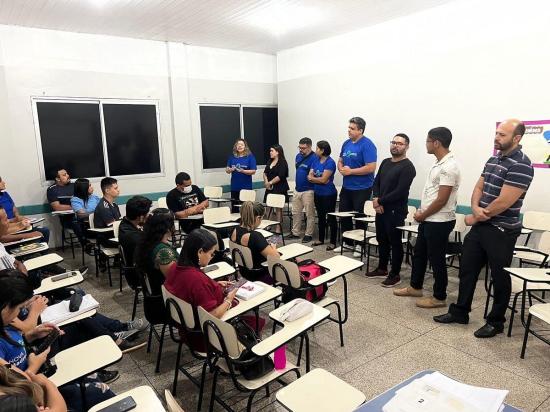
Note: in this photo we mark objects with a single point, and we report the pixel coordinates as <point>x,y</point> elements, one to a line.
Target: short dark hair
<point>325,147</point>
<point>359,122</point>
<point>137,206</point>
<point>107,182</point>
<point>305,140</point>
<point>520,129</point>
<point>181,177</point>
<point>404,136</point>
<point>441,134</point>
<point>196,240</point>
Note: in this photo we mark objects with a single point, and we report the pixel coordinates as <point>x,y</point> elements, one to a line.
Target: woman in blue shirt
<point>241,165</point>
<point>84,201</point>
<point>324,191</point>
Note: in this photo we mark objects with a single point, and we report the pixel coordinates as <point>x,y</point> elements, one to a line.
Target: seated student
<point>15,217</point>
<point>106,211</point>
<point>130,231</point>
<point>246,235</point>
<point>20,391</point>
<point>15,292</point>
<point>154,254</point>
<point>83,201</point>
<point>188,282</point>
<point>185,200</point>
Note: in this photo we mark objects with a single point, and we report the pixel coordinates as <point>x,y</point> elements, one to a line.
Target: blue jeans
<point>96,392</point>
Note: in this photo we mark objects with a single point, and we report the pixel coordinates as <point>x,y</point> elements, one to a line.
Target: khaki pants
<point>303,201</point>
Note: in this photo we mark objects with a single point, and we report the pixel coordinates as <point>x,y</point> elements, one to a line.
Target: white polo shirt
<point>444,172</point>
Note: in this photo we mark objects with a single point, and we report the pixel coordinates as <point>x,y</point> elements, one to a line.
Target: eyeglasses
<point>302,147</point>
<point>397,143</point>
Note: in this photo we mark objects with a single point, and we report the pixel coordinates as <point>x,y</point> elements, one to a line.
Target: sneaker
<point>391,281</point>
<point>408,291</point>
<point>307,239</point>
<point>292,236</point>
<point>106,376</point>
<point>127,346</point>
<point>337,249</point>
<point>140,324</point>
<point>330,247</point>
<point>317,243</point>
<point>429,302</point>
<point>377,273</point>
<point>83,270</point>
<point>125,334</point>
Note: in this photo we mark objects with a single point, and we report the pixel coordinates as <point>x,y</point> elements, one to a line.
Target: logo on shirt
<point>318,173</point>
<point>349,153</point>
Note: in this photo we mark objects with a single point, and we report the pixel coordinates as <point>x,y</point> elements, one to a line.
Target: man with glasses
<point>437,220</point>
<point>390,197</point>
<point>303,193</point>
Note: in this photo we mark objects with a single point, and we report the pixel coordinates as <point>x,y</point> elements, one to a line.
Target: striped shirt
<point>513,169</point>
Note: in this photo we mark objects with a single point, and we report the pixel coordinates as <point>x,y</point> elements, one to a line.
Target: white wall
<point>464,65</point>
<point>37,62</point>
<point>49,63</point>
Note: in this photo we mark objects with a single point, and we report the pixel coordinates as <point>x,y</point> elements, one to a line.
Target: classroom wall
<point>464,65</point>
<point>37,62</point>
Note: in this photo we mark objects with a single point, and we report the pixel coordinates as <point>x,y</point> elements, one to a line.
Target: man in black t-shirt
<point>390,198</point>
<point>106,211</point>
<point>185,201</point>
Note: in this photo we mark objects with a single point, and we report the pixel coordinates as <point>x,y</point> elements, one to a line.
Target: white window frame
<point>99,102</point>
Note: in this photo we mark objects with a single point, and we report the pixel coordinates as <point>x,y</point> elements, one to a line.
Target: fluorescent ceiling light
<point>279,17</point>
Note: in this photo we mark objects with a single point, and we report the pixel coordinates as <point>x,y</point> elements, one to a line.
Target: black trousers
<point>389,240</point>
<point>324,205</point>
<point>353,200</point>
<point>235,201</point>
<point>431,244</point>
<point>486,244</point>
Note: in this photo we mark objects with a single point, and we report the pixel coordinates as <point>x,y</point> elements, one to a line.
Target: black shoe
<point>391,281</point>
<point>377,273</point>
<point>307,239</point>
<point>450,318</point>
<point>292,236</point>
<point>83,270</point>
<point>106,376</point>
<point>488,331</point>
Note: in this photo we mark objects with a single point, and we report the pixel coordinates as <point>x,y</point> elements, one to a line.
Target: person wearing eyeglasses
<point>302,198</point>
<point>437,220</point>
<point>390,197</point>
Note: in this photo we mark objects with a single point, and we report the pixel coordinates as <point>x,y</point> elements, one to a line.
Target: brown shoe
<point>429,302</point>
<point>408,291</point>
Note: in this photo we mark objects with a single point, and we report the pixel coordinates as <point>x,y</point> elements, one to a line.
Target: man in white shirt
<point>437,220</point>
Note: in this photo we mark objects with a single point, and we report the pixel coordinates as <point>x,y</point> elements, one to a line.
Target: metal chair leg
<point>527,327</point>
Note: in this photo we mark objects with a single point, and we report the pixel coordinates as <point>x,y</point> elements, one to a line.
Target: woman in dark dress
<point>275,175</point>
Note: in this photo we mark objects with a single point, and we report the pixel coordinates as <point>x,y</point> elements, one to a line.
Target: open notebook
<point>60,311</point>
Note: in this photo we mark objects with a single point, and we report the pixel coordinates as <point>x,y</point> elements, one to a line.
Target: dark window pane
<point>70,134</point>
<point>261,130</point>
<point>220,127</point>
<point>132,139</point>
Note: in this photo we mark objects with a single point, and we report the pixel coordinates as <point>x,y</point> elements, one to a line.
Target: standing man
<point>496,202</point>
<point>390,198</point>
<point>187,200</point>
<point>107,211</point>
<point>303,194</point>
<point>357,164</point>
<point>437,220</point>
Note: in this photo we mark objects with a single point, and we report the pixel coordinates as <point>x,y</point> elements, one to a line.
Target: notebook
<point>60,311</point>
<point>249,290</point>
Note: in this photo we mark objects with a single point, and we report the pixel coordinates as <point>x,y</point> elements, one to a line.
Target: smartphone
<point>47,342</point>
<point>62,276</point>
<point>236,285</point>
<point>122,405</point>
<point>210,268</point>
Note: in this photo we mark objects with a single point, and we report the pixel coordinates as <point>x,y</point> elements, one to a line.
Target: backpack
<point>261,365</point>
<point>309,269</point>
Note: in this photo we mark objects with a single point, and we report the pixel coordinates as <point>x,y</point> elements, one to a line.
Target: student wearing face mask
<point>186,200</point>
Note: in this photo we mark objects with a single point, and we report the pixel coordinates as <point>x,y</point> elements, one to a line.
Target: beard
<point>503,146</point>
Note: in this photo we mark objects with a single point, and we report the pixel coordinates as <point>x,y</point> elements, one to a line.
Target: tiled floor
<point>387,339</point>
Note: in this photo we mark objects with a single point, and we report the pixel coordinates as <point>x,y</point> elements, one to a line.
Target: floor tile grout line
<point>547,399</point>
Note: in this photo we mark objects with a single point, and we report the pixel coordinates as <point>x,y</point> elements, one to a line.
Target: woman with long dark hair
<point>83,201</point>
<point>275,178</point>
<point>154,253</point>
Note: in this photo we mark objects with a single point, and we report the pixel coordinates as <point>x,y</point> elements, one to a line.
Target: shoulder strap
<point>303,160</point>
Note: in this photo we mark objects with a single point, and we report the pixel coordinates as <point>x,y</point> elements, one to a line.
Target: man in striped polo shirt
<point>496,201</point>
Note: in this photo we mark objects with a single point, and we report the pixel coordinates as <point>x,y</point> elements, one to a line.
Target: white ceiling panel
<point>265,26</point>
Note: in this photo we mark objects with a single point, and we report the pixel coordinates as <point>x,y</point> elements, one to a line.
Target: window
<point>96,138</point>
<point>221,125</point>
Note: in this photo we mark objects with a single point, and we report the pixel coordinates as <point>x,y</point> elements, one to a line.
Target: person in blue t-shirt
<point>303,193</point>
<point>84,201</point>
<point>241,165</point>
<point>322,176</point>
<point>357,164</point>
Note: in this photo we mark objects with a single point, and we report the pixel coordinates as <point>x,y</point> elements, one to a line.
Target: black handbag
<point>251,365</point>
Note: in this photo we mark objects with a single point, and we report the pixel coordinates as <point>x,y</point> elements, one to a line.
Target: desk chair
<point>360,236</point>
<point>456,247</point>
<point>224,351</point>
<point>242,257</point>
<point>127,269</point>
<point>274,201</point>
<point>108,252</point>
<point>161,202</point>
<point>183,318</point>
<point>171,403</point>
<point>542,312</point>
<point>156,314</point>
<point>535,221</point>
<point>538,255</point>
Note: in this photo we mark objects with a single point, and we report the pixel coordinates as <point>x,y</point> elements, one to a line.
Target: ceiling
<point>265,26</point>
